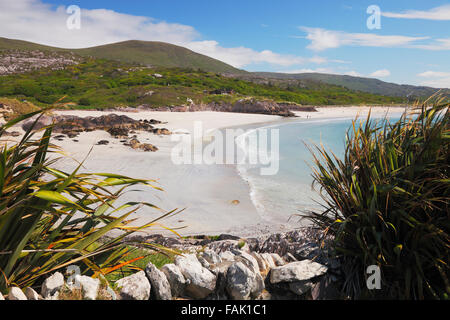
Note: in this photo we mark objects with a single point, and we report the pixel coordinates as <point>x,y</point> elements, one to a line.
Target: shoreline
<point>206,191</point>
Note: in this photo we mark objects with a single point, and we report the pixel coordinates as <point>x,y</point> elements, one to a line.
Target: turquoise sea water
<point>289,192</point>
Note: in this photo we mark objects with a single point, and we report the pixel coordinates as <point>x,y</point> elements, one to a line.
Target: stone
<point>134,287</point>
<point>268,259</point>
<point>158,280</point>
<point>147,147</point>
<point>51,286</point>
<point>297,271</point>
<point>202,282</point>
<point>261,261</point>
<point>89,286</point>
<point>175,278</point>
<point>289,257</point>
<point>203,261</point>
<point>211,257</point>
<point>224,245</point>
<point>277,259</point>
<point>118,132</point>
<point>226,255</point>
<point>307,251</point>
<point>243,283</point>
<point>301,287</point>
<point>16,293</point>
<point>1,297</point>
<point>248,260</point>
<point>31,294</point>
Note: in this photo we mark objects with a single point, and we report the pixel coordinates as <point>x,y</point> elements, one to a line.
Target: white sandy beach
<point>205,191</point>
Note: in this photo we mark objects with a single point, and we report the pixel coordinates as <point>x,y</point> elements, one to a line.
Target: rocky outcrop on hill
<point>15,61</point>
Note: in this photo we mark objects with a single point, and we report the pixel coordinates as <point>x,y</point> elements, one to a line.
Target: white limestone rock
<point>16,293</point>
<point>297,271</point>
<point>134,287</point>
<point>202,282</point>
<point>160,284</point>
<point>51,286</point>
<point>176,279</point>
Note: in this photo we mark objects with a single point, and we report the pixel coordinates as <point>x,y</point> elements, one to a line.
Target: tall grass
<point>50,219</point>
<point>386,203</point>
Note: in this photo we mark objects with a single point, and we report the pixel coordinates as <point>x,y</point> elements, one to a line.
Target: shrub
<point>387,204</point>
<point>50,219</point>
<point>84,102</point>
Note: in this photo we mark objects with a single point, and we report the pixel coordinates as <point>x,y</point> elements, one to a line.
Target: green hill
<point>158,54</point>
<point>369,85</point>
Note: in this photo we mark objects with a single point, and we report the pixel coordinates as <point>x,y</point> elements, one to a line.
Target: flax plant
<point>50,219</point>
<point>386,203</point>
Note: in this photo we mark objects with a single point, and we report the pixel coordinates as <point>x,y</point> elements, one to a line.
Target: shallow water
<point>279,198</point>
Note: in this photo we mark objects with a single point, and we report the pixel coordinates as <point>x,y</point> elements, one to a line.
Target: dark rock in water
<point>103,142</point>
<point>75,140</point>
<point>61,136</point>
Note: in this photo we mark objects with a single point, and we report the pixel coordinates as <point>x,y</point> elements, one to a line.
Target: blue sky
<point>412,46</point>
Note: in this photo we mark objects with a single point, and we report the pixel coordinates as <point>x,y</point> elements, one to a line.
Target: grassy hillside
<point>152,53</point>
<point>97,83</point>
<point>158,54</point>
<point>370,85</point>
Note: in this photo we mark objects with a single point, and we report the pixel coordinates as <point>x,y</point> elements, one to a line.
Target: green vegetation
<point>368,85</point>
<point>16,108</point>
<point>153,53</point>
<point>387,204</point>
<point>105,84</point>
<point>50,219</point>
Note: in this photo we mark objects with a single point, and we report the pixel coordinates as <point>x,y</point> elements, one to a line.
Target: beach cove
<point>216,199</point>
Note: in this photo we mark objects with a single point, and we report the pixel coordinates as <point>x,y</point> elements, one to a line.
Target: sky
<point>400,41</point>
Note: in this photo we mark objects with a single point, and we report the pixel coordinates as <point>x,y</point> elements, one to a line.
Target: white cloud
<point>308,70</point>
<point>438,44</point>
<point>441,13</point>
<point>377,74</point>
<point>322,39</point>
<point>433,74</point>
<point>381,73</point>
<point>32,20</point>
<point>242,56</point>
<point>352,73</point>
<point>435,79</point>
<point>437,83</point>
